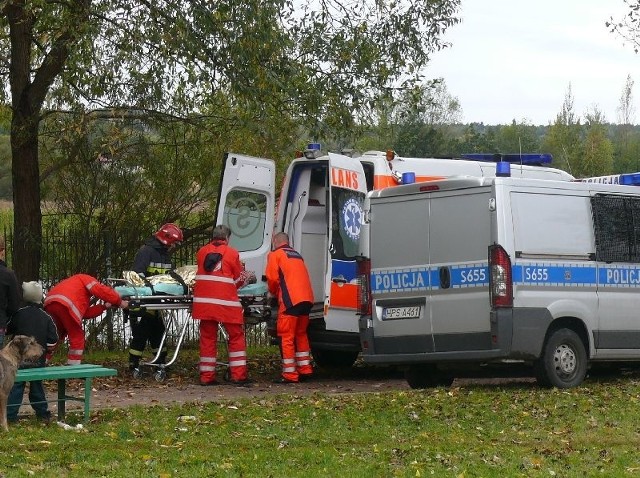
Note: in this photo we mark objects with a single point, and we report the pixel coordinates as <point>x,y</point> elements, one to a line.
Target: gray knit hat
<point>32,292</point>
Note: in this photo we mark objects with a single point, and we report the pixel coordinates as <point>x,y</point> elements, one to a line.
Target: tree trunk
<point>27,216</point>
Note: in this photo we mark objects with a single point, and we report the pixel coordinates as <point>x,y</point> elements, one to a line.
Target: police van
<point>505,269</point>
<point>320,206</point>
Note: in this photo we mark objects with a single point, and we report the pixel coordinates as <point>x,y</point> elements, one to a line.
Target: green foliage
<point>516,138</point>
<point>470,431</point>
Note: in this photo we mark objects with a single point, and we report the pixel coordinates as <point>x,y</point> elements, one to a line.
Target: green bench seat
<point>62,373</point>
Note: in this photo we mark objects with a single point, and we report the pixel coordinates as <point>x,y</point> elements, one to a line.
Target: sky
<point>515,59</point>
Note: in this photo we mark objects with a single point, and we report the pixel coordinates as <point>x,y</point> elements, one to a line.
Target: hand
<point>107,305</point>
<point>124,304</point>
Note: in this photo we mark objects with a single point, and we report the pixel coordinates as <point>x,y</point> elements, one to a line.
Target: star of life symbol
<point>352,218</point>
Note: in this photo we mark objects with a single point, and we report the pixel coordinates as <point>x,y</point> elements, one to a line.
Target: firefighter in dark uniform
<point>154,257</point>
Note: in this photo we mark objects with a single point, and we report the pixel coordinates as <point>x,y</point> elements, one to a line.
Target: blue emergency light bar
<point>533,159</point>
<point>629,179</point>
<point>312,151</point>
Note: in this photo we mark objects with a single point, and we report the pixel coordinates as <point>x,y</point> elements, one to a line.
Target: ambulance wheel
<point>334,358</point>
<point>563,363</point>
<point>427,376</point>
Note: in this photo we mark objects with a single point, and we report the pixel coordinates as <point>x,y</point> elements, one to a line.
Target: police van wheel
<point>563,363</point>
<point>426,376</point>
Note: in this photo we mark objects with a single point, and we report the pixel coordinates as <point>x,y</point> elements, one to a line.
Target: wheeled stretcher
<point>170,299</point>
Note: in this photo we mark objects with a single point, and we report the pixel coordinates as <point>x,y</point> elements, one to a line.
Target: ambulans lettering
<point>344,178</point>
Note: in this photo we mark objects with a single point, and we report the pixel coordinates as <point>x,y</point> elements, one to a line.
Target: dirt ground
<point>181,386</point>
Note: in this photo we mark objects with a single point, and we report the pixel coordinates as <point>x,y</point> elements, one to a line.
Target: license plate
<point>390,313</point>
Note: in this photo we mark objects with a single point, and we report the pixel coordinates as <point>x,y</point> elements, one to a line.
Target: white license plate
<point>390,313</point>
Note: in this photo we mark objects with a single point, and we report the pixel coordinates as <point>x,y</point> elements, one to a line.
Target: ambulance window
<point>346,222</point>
<point>245,214</point>
<point>617,228</point>
<point>368,174</point>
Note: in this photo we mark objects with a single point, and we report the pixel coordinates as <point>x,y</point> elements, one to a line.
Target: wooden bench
<point>62,373</point>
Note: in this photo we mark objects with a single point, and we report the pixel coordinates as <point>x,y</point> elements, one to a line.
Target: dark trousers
<point>36,394</point>
<point>148,327</point>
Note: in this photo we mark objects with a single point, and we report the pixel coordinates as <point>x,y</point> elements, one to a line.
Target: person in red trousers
<point>70,301</point>
<point>288,280</point>
<point>215,301</point>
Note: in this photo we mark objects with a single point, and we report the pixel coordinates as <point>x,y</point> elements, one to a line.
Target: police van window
<point>245,214</point>
<point>346,222</point>
<point>617,228</point>
<point>540,226</point>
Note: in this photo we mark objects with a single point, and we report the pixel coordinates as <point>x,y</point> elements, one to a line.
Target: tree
<point>563,137</point>
<point>517,138</point>
<point>628,27</point>
<point>597,158</point>
<point>320,62</point>
<point>627,141</point>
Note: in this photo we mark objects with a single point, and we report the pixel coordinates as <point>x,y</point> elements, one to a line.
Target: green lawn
<point>512,430</point>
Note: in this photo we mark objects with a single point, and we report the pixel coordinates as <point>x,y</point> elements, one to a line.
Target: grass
<point>471,431</point>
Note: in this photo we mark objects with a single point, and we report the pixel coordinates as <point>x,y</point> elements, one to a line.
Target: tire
<point>563,363</point>
<point>427,376</point>
<point>160,375</point>
<point>334,358</point>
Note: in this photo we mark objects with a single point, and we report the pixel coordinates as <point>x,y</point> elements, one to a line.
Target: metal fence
<point>105,255</point>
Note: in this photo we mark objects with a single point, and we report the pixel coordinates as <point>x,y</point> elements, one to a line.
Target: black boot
<point>134,362</point>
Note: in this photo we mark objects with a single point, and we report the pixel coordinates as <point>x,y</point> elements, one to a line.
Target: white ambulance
<point>321,208</point>
<point>485,270</point>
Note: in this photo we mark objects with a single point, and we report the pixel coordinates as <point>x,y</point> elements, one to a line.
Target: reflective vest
<point>75,294</point>
<point>288,278</point>
<point>215,292</point>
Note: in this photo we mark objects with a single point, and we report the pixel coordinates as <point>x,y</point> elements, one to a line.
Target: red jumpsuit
<point>69,302</point>
<point>215,300</point>
<point>288,279</point>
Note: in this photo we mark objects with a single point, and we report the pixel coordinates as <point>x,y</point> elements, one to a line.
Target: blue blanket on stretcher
<point>258,289</point>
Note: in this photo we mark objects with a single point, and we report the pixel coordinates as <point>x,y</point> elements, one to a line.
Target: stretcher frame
<point>256,311</point>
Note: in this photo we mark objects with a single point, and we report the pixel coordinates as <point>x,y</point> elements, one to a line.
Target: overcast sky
<point>515,59</point>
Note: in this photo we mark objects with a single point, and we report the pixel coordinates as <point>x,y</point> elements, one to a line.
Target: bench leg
<point>62,395</point>
<point>87,398</point>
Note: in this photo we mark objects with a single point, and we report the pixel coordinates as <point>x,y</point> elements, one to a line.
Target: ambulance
<point>544,274</point>
<point>320,206</point>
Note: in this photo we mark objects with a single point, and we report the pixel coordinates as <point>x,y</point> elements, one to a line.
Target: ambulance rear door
<point>347,190</point>
<point>246,204</point>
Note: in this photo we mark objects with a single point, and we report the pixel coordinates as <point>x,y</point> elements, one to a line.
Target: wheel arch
<point>572,323</point>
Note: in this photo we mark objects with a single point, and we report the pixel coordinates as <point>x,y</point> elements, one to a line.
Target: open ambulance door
<point>347,190</point>
<point>246,204</point>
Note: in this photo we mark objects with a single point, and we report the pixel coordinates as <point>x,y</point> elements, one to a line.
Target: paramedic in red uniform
<point>153,258</point>
<point>288,280</point>
<point>215,300</point>
<point>71,301</point>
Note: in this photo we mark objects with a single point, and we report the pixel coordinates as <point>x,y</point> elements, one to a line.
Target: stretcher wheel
<point>137,373</point>
<point>227,375</point>
<point>160,375</point>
